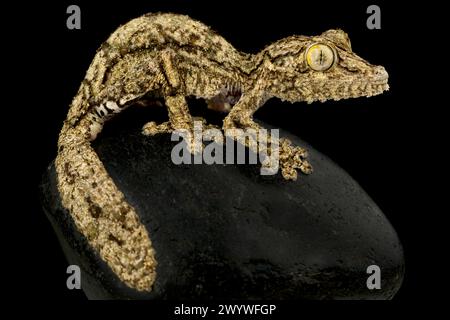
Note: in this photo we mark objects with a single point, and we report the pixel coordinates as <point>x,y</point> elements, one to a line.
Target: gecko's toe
<point>289,173</point>
<point>305,167</point>
<point>292,158</point>
<point>152,128</point>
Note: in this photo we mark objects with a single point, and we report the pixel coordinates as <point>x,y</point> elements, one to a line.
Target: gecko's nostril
<point>380,72</point>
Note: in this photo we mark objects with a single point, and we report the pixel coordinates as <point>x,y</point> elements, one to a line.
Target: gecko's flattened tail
<point>101,213</point>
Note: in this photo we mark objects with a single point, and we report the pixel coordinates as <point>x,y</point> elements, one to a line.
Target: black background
<point>380,141</point>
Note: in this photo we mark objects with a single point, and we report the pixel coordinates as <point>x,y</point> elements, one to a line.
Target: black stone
<point>225,231</point>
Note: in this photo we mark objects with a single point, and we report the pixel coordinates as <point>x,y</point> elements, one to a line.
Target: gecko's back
<point>159,30</point>
<point>137,46</point>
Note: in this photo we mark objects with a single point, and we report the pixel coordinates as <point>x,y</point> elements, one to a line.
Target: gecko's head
<point>322,68</point>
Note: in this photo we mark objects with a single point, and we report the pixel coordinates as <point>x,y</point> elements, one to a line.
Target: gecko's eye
<point>320,57</point>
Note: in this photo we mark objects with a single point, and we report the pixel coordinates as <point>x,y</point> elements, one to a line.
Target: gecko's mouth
<point>364,86</point>
<point>361,85</point>
<point>378,83</point>
<point>364,89</point>
<point>370,88</point>
<point>379,87</point>
<point>350,89</point>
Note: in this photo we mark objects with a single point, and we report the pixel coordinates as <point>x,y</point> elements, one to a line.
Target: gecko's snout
<point>380,73</point>
<point>379,81</point>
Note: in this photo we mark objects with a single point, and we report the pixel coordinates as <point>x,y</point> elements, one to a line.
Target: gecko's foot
<point>246,132</point>
<point>292,158</point>
<point>192,132</point>
<point>199,121</point>
<point>243,124</point>
<point>152,128</point>
<point>210,132</point>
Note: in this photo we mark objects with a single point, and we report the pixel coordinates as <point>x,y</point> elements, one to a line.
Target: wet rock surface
<point>225,231</point>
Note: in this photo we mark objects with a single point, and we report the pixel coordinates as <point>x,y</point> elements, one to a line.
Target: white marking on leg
<point>101,110</point>
<point>111,105</point>
<point>127,98</point>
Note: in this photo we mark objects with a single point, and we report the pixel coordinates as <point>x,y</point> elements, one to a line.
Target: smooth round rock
<point>225,231</point>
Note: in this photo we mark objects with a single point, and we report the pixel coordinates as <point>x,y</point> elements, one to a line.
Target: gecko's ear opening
<point>339,38</point>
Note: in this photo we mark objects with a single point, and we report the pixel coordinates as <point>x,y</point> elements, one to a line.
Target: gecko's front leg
<point>241,117</point>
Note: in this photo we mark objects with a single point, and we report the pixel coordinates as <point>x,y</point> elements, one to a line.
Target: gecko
<point>173,57</point>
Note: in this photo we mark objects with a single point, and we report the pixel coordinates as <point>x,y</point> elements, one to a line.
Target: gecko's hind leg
<point>180,120</point>
<point>179,117</point>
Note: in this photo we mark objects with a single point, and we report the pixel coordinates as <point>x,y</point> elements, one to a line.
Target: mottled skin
<point>172,57</point>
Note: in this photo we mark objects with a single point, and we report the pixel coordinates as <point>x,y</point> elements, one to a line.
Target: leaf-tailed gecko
<point>172,57</point>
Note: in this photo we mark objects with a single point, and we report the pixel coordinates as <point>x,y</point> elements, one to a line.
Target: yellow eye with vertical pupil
<point>320,57</point>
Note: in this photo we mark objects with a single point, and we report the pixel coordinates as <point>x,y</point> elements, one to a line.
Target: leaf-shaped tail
<point>100,210</point>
